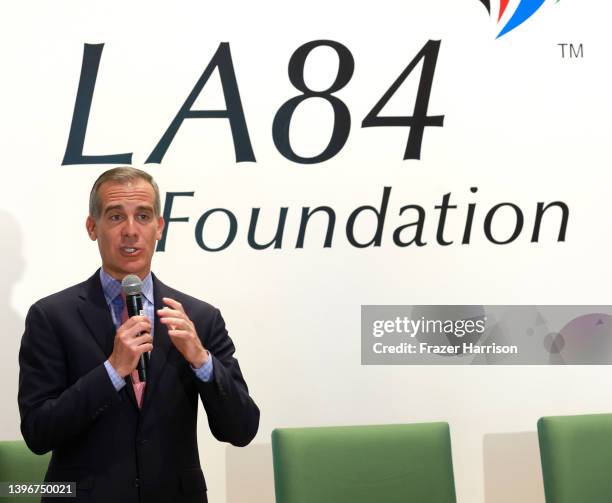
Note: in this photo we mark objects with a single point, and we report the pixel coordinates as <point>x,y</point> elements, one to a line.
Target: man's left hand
<point>182,333</point>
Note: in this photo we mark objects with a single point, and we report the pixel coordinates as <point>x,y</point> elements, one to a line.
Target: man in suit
<point>122,440</point>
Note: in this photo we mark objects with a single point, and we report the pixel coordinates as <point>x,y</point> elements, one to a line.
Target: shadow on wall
<point>250,476</point>
<point>11,269</point>
<point>512,469</point>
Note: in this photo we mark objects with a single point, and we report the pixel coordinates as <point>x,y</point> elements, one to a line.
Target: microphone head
<point>132,285</point>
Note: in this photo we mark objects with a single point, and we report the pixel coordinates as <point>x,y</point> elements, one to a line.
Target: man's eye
<point>115,218</point>
<point>144,217</point>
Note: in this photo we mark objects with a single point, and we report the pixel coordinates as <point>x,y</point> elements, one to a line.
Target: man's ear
<point>90,225</point>
<point>160,228</point>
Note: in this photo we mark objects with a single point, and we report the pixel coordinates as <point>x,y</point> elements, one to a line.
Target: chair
<point>576,455</point>
<point>19,464</point>
<point>364,464</point>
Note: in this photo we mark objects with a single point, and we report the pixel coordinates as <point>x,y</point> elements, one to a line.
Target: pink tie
<point>136,382</point>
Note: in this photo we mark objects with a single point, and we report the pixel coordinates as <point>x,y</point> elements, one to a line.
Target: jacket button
<point>137,483</point>
<point>142,441</point>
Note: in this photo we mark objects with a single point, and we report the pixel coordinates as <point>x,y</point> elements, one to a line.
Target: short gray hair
<point>123,175</point>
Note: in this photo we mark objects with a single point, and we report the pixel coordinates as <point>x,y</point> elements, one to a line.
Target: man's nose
<point>129,227</point>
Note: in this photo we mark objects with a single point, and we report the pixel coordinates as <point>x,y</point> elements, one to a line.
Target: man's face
<point>127,228</point>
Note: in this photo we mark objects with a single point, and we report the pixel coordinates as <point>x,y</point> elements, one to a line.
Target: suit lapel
<point>95,313</point>
<point>97,317</point>
<point>161,343</point>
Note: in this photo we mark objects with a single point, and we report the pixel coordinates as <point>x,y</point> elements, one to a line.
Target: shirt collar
<point>112,287</point>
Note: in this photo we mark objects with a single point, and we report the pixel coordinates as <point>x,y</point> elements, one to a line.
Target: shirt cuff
<point>205,372</point>
<point>116,379</point>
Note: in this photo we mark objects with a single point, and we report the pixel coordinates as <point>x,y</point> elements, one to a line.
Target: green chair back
<point>364,464</point>
<point>19,464</point>
<point>576,454</point>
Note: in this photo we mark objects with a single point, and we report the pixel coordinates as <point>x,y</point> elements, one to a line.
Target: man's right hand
<point>131,340</point>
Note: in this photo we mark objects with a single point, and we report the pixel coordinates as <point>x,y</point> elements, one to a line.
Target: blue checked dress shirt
<point>112,293</point>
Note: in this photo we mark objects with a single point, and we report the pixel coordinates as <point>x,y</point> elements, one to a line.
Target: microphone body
<point>134,308</point>
<point>132,288</point>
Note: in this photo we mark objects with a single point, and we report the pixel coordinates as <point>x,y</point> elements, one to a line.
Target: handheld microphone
<point>132,289</point>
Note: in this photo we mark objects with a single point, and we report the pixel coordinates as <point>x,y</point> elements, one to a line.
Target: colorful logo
<point>524,10</point>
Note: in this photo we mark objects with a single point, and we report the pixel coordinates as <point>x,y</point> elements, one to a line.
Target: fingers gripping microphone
<point>132,289</point>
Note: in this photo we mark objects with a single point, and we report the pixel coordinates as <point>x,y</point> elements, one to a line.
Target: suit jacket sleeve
<point>232,414</point>
<point>53,409</point>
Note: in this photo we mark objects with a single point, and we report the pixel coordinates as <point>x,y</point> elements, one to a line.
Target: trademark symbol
<point>571,51</point>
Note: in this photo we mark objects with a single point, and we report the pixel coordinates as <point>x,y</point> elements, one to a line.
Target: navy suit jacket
<point>99,438</point>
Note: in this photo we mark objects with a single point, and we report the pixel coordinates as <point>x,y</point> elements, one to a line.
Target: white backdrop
<point>521,123</point>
